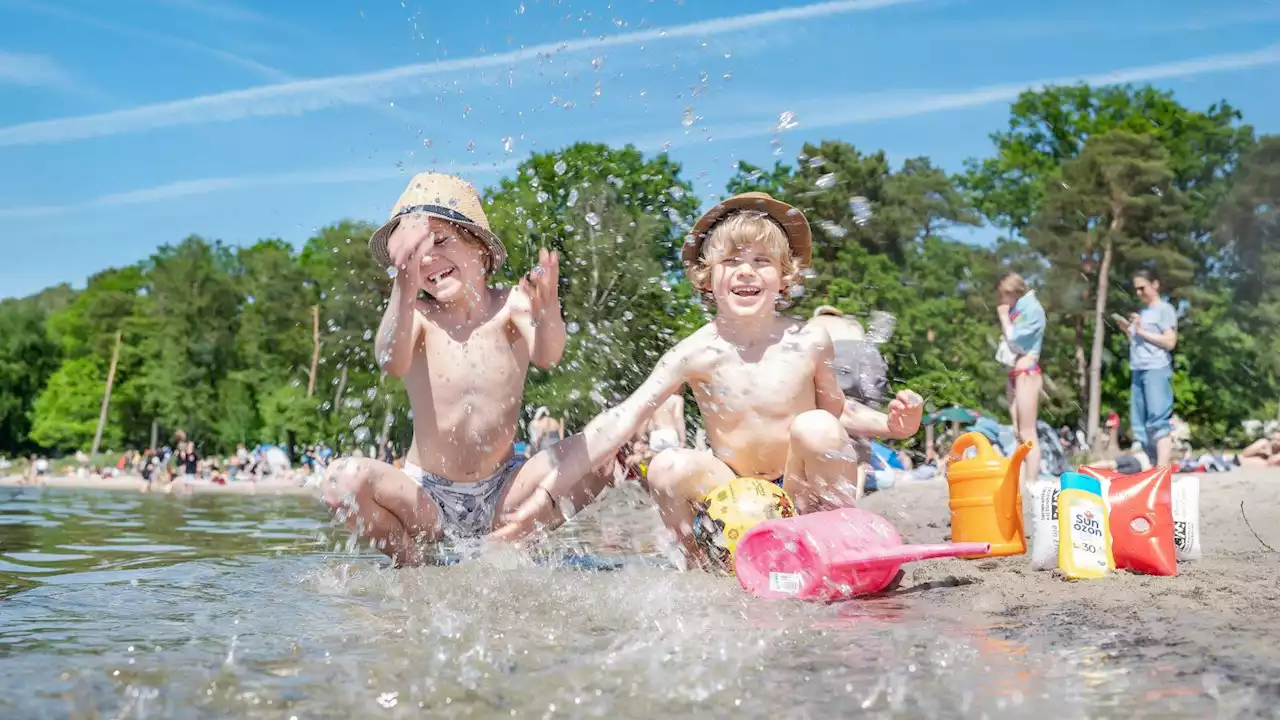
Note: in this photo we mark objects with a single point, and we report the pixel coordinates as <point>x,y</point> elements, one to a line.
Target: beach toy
<point>1140,509</point>
<point>986,500</point>
<point>1186,517</point>
<point>830,555</point>
<point>1084,547</point>
<point>729,511</point>
<point>1044,524</point>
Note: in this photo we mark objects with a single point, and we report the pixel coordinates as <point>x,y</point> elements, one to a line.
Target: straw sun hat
<point>447,197</point>
<point>793,223</point>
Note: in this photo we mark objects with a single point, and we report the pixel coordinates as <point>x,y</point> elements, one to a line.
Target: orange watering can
<point>986,496</point>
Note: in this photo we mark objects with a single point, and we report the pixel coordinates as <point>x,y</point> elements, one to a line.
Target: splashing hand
<point>407,259</point>
<point>542,285</point>
<point>520,523</point>
<point>905,412</point>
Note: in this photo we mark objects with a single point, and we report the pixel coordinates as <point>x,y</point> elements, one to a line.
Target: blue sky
<point>132,123</point>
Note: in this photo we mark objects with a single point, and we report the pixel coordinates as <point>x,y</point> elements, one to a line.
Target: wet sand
<point>135,483</point>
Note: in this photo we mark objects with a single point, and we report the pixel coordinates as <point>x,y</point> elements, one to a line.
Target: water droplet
<point>787,121</point>
<point>572,328</point>
<point>817,162</point>
<point>507,143</point>
<point>368,335</point>
<point>542,196</point>
<point>676,192</point>
<point>593,219</point>
<point>808,273</point>
<point>573,197</point>
<point>596,63</point>
<point>832,229</point>
<point>826,181</point>
<point>688,119</point>
<point>529,223</point>
<point>561,166</point>
<point>861,209</point>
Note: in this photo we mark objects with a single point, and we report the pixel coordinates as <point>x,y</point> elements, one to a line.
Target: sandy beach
<point>1228,601</point>
<point>135,483</point>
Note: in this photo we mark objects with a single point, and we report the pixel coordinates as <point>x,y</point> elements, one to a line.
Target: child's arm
<point>536,311</point>
<point>574,458</point>
<point>902,421</point>
<point>830,396</point>
<point>399,331</point>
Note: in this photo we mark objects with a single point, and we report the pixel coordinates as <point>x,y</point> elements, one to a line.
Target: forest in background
<point>1089,184</point>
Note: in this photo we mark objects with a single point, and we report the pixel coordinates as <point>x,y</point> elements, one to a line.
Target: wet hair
<point>737,230</point>
<point>1148,274</point>
<point>1012,282</point>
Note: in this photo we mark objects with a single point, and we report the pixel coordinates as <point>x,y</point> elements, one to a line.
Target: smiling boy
<point>462,349</point>
<point>764,383</point>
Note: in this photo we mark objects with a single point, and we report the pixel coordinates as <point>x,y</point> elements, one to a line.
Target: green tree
<point>28,357</point>
<point>66,412</point>
<point>1115,200</point>
<point>617,218</point>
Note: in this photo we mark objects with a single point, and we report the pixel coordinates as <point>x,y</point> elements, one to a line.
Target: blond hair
<point>828,310</point>
<point>736,231</point>
<point>1013,283</point>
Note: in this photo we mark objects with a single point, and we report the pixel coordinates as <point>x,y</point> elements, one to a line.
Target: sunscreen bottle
<point>1084,531</point>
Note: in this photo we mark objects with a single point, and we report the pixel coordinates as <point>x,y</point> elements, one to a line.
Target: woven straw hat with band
<point>447,197</point>
<point>793,223</point>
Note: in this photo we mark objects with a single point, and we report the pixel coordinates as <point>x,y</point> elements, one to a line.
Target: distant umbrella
<point>955,413</point>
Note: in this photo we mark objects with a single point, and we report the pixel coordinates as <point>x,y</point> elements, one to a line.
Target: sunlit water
<point>133,606</point>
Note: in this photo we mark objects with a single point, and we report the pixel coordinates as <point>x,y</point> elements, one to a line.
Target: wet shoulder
<point>806,338</point>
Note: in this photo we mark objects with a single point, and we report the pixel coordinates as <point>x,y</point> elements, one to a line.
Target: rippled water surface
<point>133,606</point>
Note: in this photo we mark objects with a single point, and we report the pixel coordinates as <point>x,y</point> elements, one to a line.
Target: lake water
<point>121,605</point>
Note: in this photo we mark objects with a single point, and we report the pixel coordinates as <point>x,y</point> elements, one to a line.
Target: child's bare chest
<point>778,378</point>
<point>489,354</point>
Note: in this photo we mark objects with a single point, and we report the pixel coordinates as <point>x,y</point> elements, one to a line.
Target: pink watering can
<point>830,555</point>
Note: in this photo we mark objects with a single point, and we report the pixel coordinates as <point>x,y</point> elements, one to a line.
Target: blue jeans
<point>1151,406</point>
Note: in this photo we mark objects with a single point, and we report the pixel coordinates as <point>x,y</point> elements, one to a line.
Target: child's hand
<point>1002,311</point>
<point>407,259</point>
<point>542,285</point>
<point>905,412</point>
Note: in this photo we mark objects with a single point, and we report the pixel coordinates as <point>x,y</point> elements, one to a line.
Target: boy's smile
<point>747,283</point>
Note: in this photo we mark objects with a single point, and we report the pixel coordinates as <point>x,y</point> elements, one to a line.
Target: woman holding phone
<point>1153,334</point>
<point>1022,322</point>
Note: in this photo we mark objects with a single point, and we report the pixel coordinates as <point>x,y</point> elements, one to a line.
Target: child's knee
<point>668,472</point>
<point>817,431</point>
<point>344,481</point>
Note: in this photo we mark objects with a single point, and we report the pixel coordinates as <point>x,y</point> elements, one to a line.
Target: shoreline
<point>134,483</point>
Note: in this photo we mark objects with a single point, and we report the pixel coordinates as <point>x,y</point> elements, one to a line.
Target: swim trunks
<point>466,509</point>
<point>664,439</point>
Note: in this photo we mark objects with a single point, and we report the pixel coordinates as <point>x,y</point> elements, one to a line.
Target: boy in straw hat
<point>764,383</point>
<point>462,349</point>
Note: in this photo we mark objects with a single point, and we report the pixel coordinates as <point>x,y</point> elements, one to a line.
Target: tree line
<point>268,342</point>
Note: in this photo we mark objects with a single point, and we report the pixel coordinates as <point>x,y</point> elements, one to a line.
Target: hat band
<point>442,211</point>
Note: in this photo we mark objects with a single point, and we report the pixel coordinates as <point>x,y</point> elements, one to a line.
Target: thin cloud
<point>31,71</point>
<point>861,109</point>
<point>229,12</point>
<point>851,111</point>
<point>205,186</point>
<point>298,97</point>
<point>265,71</point>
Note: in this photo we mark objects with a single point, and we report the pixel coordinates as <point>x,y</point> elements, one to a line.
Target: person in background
<point>544,430</point>
<point>1022,324</point>
<point>1153,334</point>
